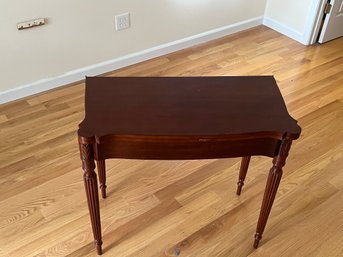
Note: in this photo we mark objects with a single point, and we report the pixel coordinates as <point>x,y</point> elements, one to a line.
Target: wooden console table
<point>179,118</point>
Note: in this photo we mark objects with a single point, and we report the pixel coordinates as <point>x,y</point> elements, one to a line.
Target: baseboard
<point>283,29</point>
<point>117,63</point>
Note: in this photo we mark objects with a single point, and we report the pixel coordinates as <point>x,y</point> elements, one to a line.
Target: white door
<point>333,23</point>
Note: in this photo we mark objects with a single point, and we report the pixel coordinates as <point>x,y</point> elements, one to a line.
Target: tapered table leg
<point>91,187</point>
<point>242,173</point>
<point>102,177</point>
<point>273,182</point>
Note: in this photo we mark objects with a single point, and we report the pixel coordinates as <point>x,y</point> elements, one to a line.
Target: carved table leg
<point>91,187</point>
<point>102,177</point>
<point>273,182</point>
<point>242,173</point>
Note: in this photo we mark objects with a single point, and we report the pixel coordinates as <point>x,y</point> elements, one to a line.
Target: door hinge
<point>327,8</point>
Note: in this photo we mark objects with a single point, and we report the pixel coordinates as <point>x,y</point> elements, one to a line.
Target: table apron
<point>185,150</point>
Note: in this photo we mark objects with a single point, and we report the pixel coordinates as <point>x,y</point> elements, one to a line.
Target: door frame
<point>318,21</point>
<point>314,21</point>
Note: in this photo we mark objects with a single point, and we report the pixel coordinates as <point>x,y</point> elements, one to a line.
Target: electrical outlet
<point>30,23</point>
<point>122,21</point>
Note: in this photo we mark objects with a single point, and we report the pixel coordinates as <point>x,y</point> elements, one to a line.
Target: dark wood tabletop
<point>186,106</point>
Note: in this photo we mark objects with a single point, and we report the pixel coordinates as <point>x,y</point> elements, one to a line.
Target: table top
<point>186,107</point>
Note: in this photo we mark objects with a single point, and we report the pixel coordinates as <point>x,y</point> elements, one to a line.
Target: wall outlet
<point>30,23</point>
<point>122,21</point>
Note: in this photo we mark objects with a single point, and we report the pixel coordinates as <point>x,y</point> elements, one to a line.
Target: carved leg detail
<point>91,187</point>
<point>102,177</point>
<point>242,173</point>
<point>273,182</point>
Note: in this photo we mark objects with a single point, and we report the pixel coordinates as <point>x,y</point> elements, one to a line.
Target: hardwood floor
<point>181,208</point>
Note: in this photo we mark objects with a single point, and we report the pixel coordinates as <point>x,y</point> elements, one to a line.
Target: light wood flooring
<point>181,208</point>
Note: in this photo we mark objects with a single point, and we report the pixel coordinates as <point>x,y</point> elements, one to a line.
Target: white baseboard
<point>283,29</point>
<point>120,62</point>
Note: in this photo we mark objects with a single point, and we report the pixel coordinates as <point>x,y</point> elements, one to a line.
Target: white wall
<point>292,13</point>
<point>81,32</point>
<point>293,18</point>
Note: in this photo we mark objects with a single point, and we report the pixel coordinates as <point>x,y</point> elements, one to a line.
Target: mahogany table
<point>179,118</point>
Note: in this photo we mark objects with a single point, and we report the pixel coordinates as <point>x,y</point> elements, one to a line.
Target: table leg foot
<point>103,192</point>
<point>239,188</point>
<point>258,237</point>
<point>273,182</point>
<point>98,247</point>
<point>242,174</point>
<point>102,177</point>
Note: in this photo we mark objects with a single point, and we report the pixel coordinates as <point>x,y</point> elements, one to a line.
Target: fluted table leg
<point>273,182</point>
<point>91,187</point>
